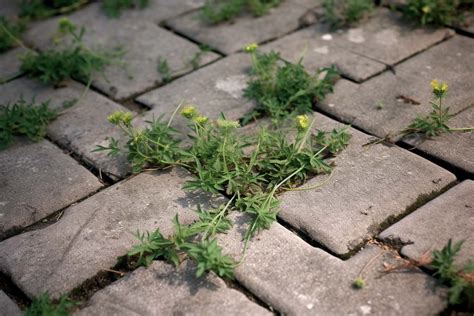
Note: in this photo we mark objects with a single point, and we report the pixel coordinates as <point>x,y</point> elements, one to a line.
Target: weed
<point>114,8</point>
<point>281,88</point>
<point>164,69</point>
<point>44,306</point>
<point>436,122</point>
<point>196,60</point>
<point>73,60</point>
<point>9,31</point>
<point>217,11</point>
<point>440,12</point>
<point>343,13</point>
<point>23,118</point>
<point>44,8</point>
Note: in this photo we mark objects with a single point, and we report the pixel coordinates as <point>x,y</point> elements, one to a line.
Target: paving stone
<point>8,307</point>
<point>388,38</point>
<point>455,148</point>
<point>92,234</point>
<point>214,89</point>
<point>232,36</point>
<point>320,48</point>
<point>81,127</point>
<point>9,8</point>
<point>449,216</point>
<point>179,291</point>
<point>10,64</point>
<point>359,104</point>
<point>297,279</point>
<point>370,186</point>
<point>144,42</point>
<point>38,179</point>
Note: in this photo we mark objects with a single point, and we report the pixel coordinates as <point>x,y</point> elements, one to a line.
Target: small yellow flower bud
<point>189,112</point>
<point>227,124</point>
<point>359,283</point>
<point>201,119</point>
<point>251,48</point>
<point>120,117</point>
<point>439,88</point>
<point>302,122</point>
<point>426,9</point>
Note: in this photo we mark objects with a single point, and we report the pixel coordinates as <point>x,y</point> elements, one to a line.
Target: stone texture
<point>297,279</point>
<point>449,216</point>
<point>144,42</point>
<point>79,128</point>
<point>10,64</point>
<point>232,36</point>
<point>455,148</point>
<point>179,291</point>
<point>37,179</point>
<point>358,104</point>
<point>370,185</point>
<point>8,307</point>
<point>321,48</point>
<point>9,8</point>
<point>92,234</point>
<point>214,89</point>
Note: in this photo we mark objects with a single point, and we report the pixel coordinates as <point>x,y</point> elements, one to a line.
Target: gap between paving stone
<point>145,43</point>
<point>92,234</point>
<point>449,216</point>
<point>280,21</point>
<point>357,103</point>
<point>81,127</point>
<point>38,179</point>
<point>10,64</point>
<point>8,307</point>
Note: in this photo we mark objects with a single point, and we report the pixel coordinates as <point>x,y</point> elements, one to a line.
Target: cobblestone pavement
<point>67,213</point>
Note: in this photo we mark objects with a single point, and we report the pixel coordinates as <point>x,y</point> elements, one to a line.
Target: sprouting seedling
<point>43,305</point>
<point>196,59</point>
<point>217,11</point>
<point>343,13</point>
<point>164,69</point>
<point>114,8</point>
<point>360,282</point>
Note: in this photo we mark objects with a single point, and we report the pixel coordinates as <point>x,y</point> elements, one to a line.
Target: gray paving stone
<point>79,128</point>
<point>10,64</point>
<point>9,8</point>
<point>358,104</point>
<point>38,179</point>
<point>179,293</point>
<point>449,216</point>
<point>388,38</point>
<point>319,48</point>
<point>297,279</point>
<point>455,148</point>
<point>370,186</point>
<point>92,234</point>
<point>144,42</point>
<point>233,36</point>
<point>214,89</point>
<point>7,306</point>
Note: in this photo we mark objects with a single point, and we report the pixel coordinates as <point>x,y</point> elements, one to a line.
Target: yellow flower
<point>426,9</point>
<point>250,48</point>
<point>434,84</point>
<point>227,124</point>
<point>201,119</point>
<point>120,117</point>
<point>439,88</point>
<point>189,112</point>
<point>302,122</point>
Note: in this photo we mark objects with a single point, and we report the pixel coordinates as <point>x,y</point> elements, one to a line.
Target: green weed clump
<point>71,60</point>
<point>44,8</point>
<point>44,306</point>
<point>114,8</point>
<point>440,12</point>
<point>23,118</point>
<point>281,88</point>
<point>9,31</point>
<point>343,13</point>
<point>217,11</point>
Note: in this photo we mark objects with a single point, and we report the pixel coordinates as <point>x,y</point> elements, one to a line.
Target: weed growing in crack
<point>164,70</point>
<point>43,305</point>
<point>344,13</point>
<point>73,60</point>
<point>196,60</point>
<point>217,11</point>
<point>435,123</point>
<point>45,8</point>
<point>9,31</point>
<point>23,118</point>
<point>281,88</point>
<point>114,8</point>
<point>438,12</point>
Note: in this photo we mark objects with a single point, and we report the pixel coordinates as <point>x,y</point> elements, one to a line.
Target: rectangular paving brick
<point>79,128</point>
<point>370,186</point>
<point>10,64</point>
<point>145,44</point>
<point>449,216</point>
<point>92,234</point>
<point>178,290</point>
<point>455,148</point>
<point>380,104</point>
<point>320,48</point>
<point>8,307</point>
<point>36,180</point>
<point>232,36</point>
<point>297,279</point>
